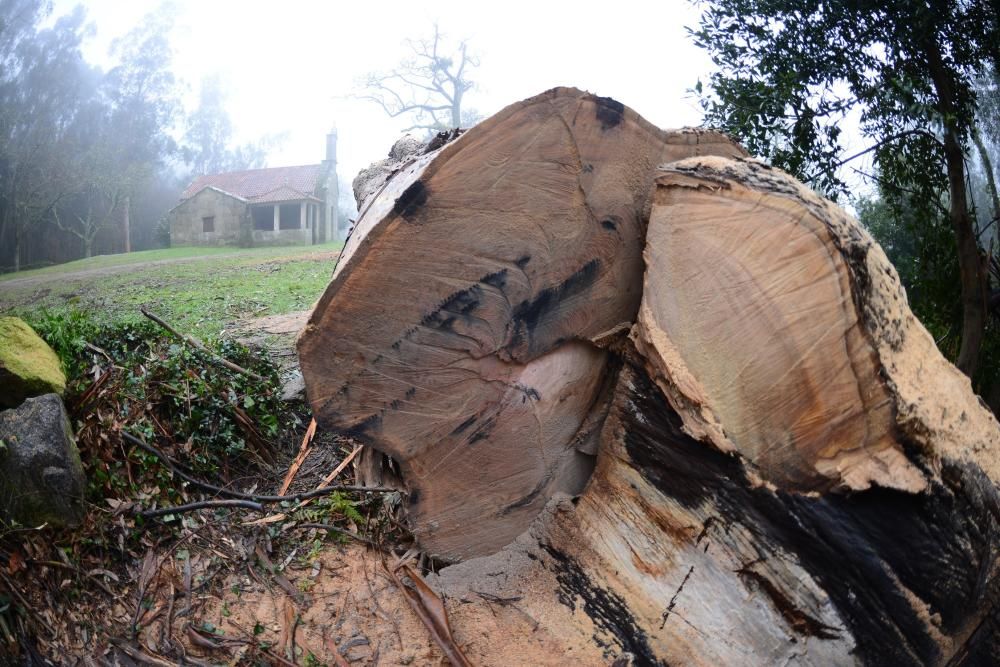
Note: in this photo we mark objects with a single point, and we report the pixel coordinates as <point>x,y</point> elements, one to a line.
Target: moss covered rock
<point>28,366</point>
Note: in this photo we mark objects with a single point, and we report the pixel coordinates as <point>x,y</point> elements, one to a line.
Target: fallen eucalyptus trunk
<point>787,469</point>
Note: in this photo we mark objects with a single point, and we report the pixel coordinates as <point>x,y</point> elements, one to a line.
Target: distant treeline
<point>92,159</point>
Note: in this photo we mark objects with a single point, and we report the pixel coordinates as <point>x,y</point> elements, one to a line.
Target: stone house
<point>257,207</point>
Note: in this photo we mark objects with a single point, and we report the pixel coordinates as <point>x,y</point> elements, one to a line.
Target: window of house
<point>288,217</point>
<point>208,224</point>
<point>263,218</point>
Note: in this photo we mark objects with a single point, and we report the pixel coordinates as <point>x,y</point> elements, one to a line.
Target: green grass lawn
<point>203,296</point>
<point>144,256</point>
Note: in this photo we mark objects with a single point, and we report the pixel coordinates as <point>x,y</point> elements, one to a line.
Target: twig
<point>204,504</point>
<point>339,531</point>
<point>431,611</point>
<point>102,352</point>
<point>200,347</point>
<point>138,654</point>
<point>489,597</point>
<point>257,498</point>
<point>300,458</point>
<point>252,641</point>
<point>340,468</point>
<point>28,609</point>
<point>281,516</point>
<point>282,580</point>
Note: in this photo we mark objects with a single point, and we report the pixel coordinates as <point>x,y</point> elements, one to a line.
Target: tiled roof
<point>284,193</point>
<point>262,185</point>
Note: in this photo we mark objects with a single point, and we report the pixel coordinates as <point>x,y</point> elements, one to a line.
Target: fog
<point>292,67</point>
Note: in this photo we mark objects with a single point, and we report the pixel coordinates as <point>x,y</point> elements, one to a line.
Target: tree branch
<point>200,347</point>
<point>258,498</point>
<point>874,147</point>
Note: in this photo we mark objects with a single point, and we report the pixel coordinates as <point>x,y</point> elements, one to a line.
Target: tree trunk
<point>459,334</point>
<point>17,246</point>
<point>670,416</point>
<point>126,225</point>
<point>456,111</point>
<point>972,268</point>
<point>991,181</point>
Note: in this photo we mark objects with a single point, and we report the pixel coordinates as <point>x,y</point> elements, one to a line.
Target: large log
<point>787,469</point>
<point>461,331</point>
<point>765,543</point>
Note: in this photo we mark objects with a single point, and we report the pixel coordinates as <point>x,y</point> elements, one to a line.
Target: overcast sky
<point>291,65</point>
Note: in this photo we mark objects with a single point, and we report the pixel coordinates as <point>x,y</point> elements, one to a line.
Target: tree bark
<point>126,224</point>
<point>785,468</point>
<point>972,269</point>
<point>991,181</point>
<point>17,246</point>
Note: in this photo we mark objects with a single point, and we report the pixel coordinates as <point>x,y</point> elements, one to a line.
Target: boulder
<point>28,366</point>
<point>41,477</point>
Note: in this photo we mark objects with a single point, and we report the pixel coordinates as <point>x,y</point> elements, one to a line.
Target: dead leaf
<point>430,609</point>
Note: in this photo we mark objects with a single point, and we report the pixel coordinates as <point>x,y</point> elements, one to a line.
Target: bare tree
<point>98,210</point>
<point>430,85</point>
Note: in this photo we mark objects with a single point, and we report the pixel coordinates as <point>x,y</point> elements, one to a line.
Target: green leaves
<point>156,388</point>
<point>792,73</point>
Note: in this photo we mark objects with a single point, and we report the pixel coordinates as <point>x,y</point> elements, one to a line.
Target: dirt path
<point>101,271</point>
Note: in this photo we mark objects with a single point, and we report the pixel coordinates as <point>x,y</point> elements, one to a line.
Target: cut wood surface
<point>783,468</point>
<point>458,333</point>
<point>689,549</point>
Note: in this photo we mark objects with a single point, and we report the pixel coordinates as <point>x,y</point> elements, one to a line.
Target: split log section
<point>786,467</point>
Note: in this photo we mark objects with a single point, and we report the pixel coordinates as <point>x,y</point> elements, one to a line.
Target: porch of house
<point>287,222</point>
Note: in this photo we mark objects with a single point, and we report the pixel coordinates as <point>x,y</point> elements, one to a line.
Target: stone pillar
<point>277,216</point>
<point>302,215</point>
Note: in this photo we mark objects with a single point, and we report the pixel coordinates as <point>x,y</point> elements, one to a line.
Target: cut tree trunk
<point>461,332</point>
<point>787,469</point>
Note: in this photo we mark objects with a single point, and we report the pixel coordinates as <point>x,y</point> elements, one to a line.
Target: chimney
<point>332,226</point>
<point>331,146</point>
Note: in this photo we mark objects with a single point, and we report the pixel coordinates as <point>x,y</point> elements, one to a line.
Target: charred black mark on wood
<point>866,550</point>
<point>496,279</point>
<point>362,428</point>
<point>464,425</point>
<point>673,598</point>
<point>527,314</point>
<point>412,199</point>
<point>529,392</point>
<point>522,261</point>
<point>610,112</point>
<point>463,303</point>
<point>709,522</point>
<point>528,498</point>
<point>608,611</point>
<point>797,620</point>
<point>483,431</point>
<point>458,304</point>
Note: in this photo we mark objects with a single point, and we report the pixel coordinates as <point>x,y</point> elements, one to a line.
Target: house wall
<point>282,237</point>
<point>230,215</point>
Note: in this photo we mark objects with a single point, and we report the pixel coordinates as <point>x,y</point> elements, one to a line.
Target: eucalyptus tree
<point>789,72</point>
